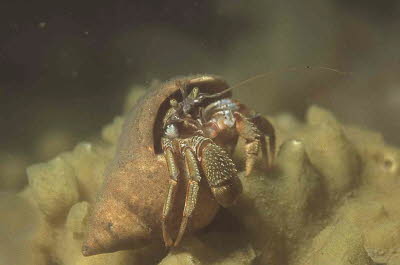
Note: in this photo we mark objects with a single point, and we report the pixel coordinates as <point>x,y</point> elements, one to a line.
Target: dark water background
<point>65,66</point>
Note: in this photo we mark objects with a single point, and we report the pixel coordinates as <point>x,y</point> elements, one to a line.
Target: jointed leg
<point>169,202</point>
<point>252,150</point>
<point>253,132</point>
<point>252,135</point>
<point>268,153</point>
<point>191,190</point>
<point>267,130</point>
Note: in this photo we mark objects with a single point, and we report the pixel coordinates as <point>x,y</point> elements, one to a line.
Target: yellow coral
<point>332,198</point>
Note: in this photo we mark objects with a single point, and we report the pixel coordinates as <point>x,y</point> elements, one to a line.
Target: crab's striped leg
<point>192,190</point>
<point>173,183</point>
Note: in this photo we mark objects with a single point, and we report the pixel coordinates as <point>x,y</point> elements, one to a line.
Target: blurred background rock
<point>66,66</point>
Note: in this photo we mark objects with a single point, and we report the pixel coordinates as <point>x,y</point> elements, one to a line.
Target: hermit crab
<point>203,130</point>
<point>173,168</point>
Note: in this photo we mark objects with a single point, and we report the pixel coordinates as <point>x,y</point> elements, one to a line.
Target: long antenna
<point>263,75</point>
<point>290,69</point>
<point>215,95</point>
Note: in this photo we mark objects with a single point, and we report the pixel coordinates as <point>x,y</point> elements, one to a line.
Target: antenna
<point>284,70</point>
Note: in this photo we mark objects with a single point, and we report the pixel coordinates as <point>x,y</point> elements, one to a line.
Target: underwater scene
<point>200,132</point>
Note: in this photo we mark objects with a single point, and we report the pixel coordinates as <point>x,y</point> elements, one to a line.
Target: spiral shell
<point>127,213</point>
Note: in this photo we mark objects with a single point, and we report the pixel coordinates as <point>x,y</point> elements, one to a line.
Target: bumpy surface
<point>221,174</point>
<point>331,198</point>
<point>218,167</point>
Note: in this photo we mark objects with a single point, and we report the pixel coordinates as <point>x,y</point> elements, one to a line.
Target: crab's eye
<point>195,93</point>
<point>173,103</point>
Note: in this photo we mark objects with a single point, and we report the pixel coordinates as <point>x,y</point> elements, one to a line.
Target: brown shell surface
<point>127,213</point>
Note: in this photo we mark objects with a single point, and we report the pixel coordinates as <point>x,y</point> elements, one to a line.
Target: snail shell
<point>127,213</point>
